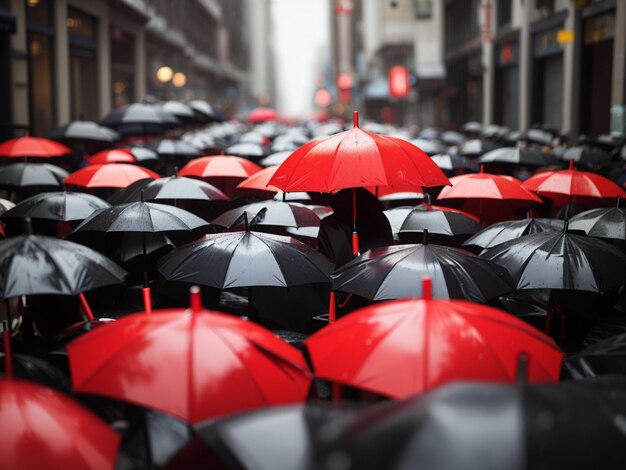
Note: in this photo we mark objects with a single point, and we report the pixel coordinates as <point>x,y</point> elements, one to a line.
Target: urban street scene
<point>313,234</point>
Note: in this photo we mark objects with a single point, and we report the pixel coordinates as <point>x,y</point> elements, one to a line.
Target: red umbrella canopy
<point>195,365</point>
<point>405,347</point>
<point>357,158</point>
<point>112,156</point>
<point>262,115</point>
<point>110,175</point>
<point>220,166</point>
<point>260,180</point>
<point>42,428</point>
<point>23,147</point>
<point>571,183</point>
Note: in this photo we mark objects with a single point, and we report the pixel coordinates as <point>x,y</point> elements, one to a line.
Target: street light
<point>179,79</point>
<point>164,74</point>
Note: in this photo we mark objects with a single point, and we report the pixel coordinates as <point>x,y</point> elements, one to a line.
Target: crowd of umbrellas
<point>183,290</point>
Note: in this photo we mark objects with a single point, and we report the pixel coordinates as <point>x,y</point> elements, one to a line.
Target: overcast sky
<point>300,30</point>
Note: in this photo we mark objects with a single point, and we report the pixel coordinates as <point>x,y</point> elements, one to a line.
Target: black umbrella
<point>5,205</point>
<point>429,147</point>
<point>395,272</point>
<point>32,368</point>
<point>60,206</point>
<point>607,357</point>
<point>501,232</point>
<point>536,136</point>
<point>175,148</point>
<point>208,112</point>
<point>453,138</point>
<point>478,426</point>
<point>33,264</point>
<point>170,188</point>
<point>452,163</point>
<point>275,158</point>
<point>139,119</point>
<point>396,218</point>
<point>29,175</point>
<point>246,150</point>
<point>272,213</point>
<point>476,147</point>
<point>286,437</point>
<point>592,158</point>
<point>183,112</point>
<point>605,222</point>
<point>84,131</point>
<point>438,222</point>
<point>143,154</point>
<point>560,260</point>
<point>514,156</point>
<point>244,259</point>
<point>472,127</point>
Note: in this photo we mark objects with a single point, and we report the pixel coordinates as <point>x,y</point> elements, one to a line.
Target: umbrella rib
<point>62,275</point>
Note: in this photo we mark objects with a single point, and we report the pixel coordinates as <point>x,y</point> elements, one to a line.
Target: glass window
<point>122,67</point>
<point>39,11</point>
<point>83,65</point>
<point>81,24</point>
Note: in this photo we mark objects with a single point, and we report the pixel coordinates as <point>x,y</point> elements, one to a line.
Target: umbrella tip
<point>28,226</point>
<point>565,225</point>
<point>8,357</point>
<point>619,199</point>
<point>522,369</point>
<point>142,199</point>
<point>355,116</point>
<point>571,164</point>
<point>482,168</point>
<point>195,299</point>
<point>427,288</point>
<point>425,238</point>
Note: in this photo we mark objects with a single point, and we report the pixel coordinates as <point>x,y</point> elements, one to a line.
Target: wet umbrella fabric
<point>42,428</point>
<point>247,149</point>
<point>275,158</point>
<point>84,131</point>
<point>476,147</point>
<point>124,155</point>
<point>556,260</point>
<point>220,166</point>
<point>402,348</point>
<point>170,188</point>
<point>139,119</point>
<point>208,111</point>
<point>159,361</point>
<point>607,357</point>
<point>272,213</point>
<point>477,426</point>
<point>514,156</point>
<point>28,175</point>
<point>609,222</point>
<point>259,181</point>
<point>175,148</point>
<point>501,232</point>
<point>34,369</point>
<point>25,147</point>
<point>244,259</point>
<point>395,272</point>
<point>61,206</point>
<point>588,157</point>
<point>439,222</point>
<point>35,264</point>
<point>451,163</point>
<point>111,175</point>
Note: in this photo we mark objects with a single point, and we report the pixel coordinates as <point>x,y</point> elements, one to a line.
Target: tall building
<point>261,80</point>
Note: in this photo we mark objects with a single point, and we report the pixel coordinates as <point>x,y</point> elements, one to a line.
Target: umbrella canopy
<point>476,147</point>
<point>260,180</point>
<point>608,222</point>
<point>560,260</point>
<point>244,259</point>
<point>26,367</point>
<point>42,428</point>
<point>501,232</point>
<point>592,158</point>
<point>357,158</point>
<point>275,159</point>
<point>29,175</point>
<point>109,175</point>
<point>174,148</point>
<point>5,205</point>
<point>429,147</point>
<point>262,115</point>
<point>183,112</point>
<point>35,264</point>
<point>62,206</point>
<point>220,166</point>
<point>139,119</point>
<point>536,136</point>
<point>84,131</point>
<point>25,147</point>
<point>395,272</point>
<point>453,138</point>
<point>439,222</point>
<point>451,163</point>
<point>573,185</point>
<point>171,188</point>
<point>607,357</point>
<point>195,365</point>
<point>405,347</point>
<point>247,149</point>
<point>479,426</point>
<point>208,112</point>
<point>272,213</point>
<point>123,155</point>
<point>514,156</point>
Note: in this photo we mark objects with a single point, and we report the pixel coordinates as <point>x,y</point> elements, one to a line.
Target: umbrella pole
<point>355,234</point>
<point>332,309</point>
<point>10,320</point>
<point>335,392</point>
<point>548,324</point>
<point>8,357</point>
<point>86,307</point>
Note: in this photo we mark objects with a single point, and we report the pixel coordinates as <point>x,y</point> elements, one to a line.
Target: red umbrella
<point>405,347</point>
<point>110,175</point>
<point>42,428</point>
<point>357,158</point>
<point>262,115</point>
<point>223,171</point>
<point>193,364</point>
<point>490,197</point>
<point>24,147</point>
<point>2,234</point>
<point>260,181</point>
<point>569,185</point>
<point>112,156</point>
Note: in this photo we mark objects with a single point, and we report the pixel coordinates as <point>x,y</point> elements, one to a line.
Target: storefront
<point>464,90</point>
<point>7,28</point>
<point>506,98</point>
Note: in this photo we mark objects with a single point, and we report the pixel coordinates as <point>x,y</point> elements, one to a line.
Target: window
<point>503,13</point>
<point>122,67</point>
<point>83,65</point>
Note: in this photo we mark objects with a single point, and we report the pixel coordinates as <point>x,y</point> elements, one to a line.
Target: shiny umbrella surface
<point>26,367</point>
<point>476,147</point>
<point>592,158</point>
<point>5,205</point>
<point>478,426</point>
<point>219,166</point>
<point>61,206</point>
<point>42,428</point>
<point>609,222</point>
<point>110,175</point>
<point>84,131</point>
<point>514,156</point>
<point>244,259</point>
<point>183,112</point>
<point>35,264</point>
<point>247,149</point>
<point>451,163</point>
<point>274,213</point>
<point>208,111</point>
<point>258,115</point>
<point>171,188</point>
<point>429,147</point>
<point>28,175</point>
<point>259,181</point>
<point>175,148</point>
<point>405,347</point>
<point>124,155</point>
<point>275,159</point>
<point>501,232</point>
<point>557,260</point>
<point>139,119</point>
<point>439,222</point>
<point>25,147</point>
<point>607,357</point>
<point>194,364</point>
<point>395,272</point>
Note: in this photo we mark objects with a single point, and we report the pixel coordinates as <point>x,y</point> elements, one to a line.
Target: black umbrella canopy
<point>174,148</point>
<point>501,232</point>
<point>438,222</point>
<point>32,264</point>
<point>395,272</point>
<point>244,259</point>
<point>605,222</point>
<point>592,158</point>
<point>61,206</point>
<point>478,426</point>
<point>181,111</point>
<point>28,175</point>
<point>476,147</point>
<point>536,136</point>
<point>429,147</point>
<point>272,213</point>
<point>514,156</point>
<point>607,357</point>
<point>5,205</point>
<point>143,154</point>
<point>472,127</point>
<point>451,163</point>
<point>170,188</point>
<point>208,111</point>
<point>560,260</point>
<point>451,138</point>
<point>84,131</point>
<point>32,368</point>
<point>139,119</point>
<point>246,150</point>
<point>275,158</point>
<point>396,217</point>
<point>144,217</point>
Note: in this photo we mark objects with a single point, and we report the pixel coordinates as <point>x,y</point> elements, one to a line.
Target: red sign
<point>344,7</point>
<point>344,81</point>
<point>398,82</point>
